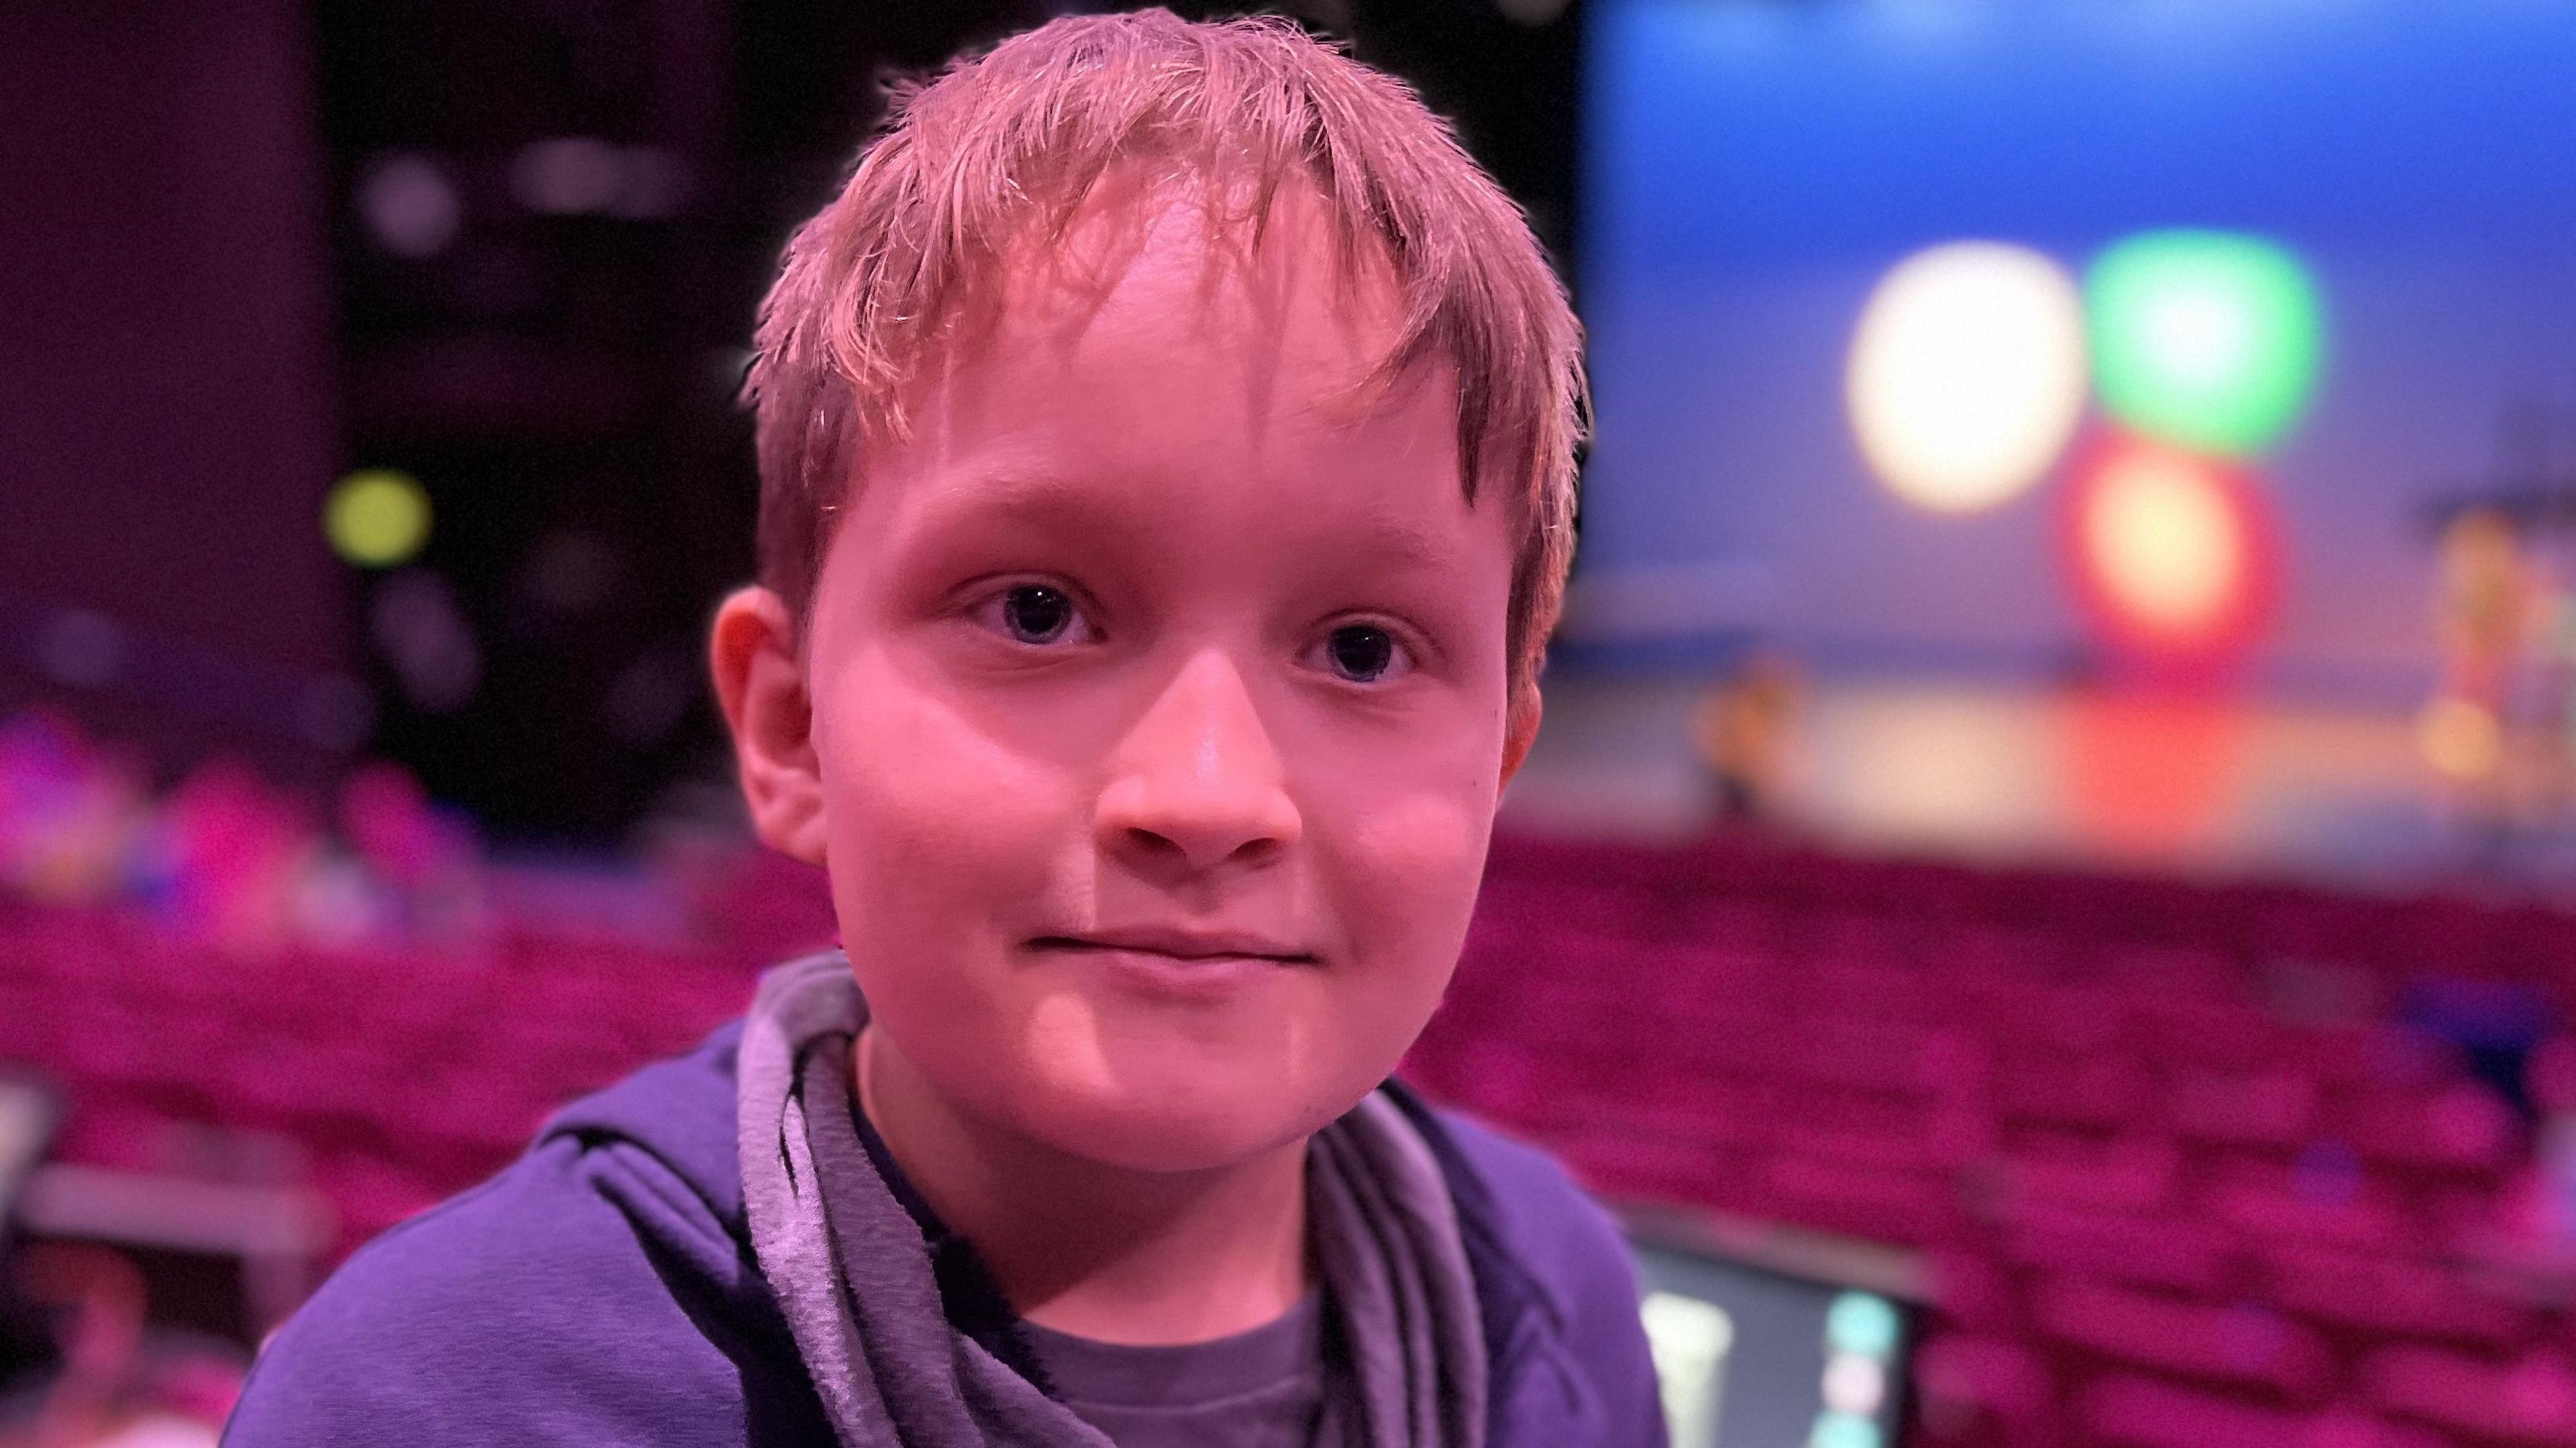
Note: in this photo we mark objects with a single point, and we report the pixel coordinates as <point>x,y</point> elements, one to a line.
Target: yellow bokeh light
<point>2169,551</point>
<point>1967,374</point>
<point>377,517</point>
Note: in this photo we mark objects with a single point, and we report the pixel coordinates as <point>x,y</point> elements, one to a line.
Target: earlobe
<point>1520,730</point>
<point>760,685</point>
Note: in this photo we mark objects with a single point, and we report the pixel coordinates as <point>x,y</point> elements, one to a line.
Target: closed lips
<point>1180,946</point>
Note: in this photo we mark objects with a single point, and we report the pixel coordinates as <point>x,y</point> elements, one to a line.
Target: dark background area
<point>511,248</point>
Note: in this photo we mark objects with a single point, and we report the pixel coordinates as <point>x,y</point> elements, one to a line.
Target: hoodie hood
<point>604,1288</point>
<point>679,1114</point>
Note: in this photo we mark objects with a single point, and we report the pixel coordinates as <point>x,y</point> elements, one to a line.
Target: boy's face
<point>1158,705</point>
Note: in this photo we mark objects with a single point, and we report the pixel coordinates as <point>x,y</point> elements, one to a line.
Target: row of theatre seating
<point>386,1079</point>
<point>2190,1164</point>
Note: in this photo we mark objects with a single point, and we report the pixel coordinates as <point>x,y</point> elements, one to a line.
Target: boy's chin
<point>1206,1130</point>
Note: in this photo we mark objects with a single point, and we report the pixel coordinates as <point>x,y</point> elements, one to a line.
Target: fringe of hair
<point>1018,137</point>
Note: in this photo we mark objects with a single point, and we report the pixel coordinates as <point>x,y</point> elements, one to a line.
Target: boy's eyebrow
<point>1014,487</point>
<point>964,497</point>
<point>1403,543</point>
<point>1039,493</point>
<point>1021,494</point>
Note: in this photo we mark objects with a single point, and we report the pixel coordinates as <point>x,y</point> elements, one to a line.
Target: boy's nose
<point>1198,783</point>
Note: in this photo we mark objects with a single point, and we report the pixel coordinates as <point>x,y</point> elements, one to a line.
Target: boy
<point>1166,452</point>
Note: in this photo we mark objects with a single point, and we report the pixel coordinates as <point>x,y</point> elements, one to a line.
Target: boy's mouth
<point>1183,945</point>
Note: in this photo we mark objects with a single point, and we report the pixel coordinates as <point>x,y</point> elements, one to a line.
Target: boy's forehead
<point>1184,262</point>
<point>1153,309</point>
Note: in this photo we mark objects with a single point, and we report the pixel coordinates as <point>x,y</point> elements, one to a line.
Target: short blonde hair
<point>1021,135</point>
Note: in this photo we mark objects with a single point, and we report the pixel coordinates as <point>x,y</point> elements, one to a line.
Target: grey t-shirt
<point>1281,1385</point>
<point>1264,1388</point>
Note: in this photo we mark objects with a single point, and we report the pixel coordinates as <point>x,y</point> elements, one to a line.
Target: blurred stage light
<point>2208,339</point>
<point>1844,1430</point>
<point>2172,553</point>
<point>2151,772</point>
<point>1861,1324</point>
<point>567,175</point>
<point>421,632</point>
<point>2163,542</point>
<point>410,208</point>
<point>1854,1384</point>
<point>1967,373</point>
<point>1690,1341</point>
<point>2461,738</point>
<point>377,517</point>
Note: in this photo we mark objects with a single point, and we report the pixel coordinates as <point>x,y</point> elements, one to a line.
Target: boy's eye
<point>1363,653</point>
<point>1034,613</point>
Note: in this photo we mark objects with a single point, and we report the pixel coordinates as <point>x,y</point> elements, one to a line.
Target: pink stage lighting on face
<point>2173,556</point>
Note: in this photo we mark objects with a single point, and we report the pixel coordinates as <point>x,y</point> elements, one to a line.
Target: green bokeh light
<point>2206,339</point>
<point>1843,1430</point>
<point>377,517</point>
<point>1862,1324</point>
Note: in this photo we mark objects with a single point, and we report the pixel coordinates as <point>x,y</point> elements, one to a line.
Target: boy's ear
<point>761,688</point>
<point>1520,729</point>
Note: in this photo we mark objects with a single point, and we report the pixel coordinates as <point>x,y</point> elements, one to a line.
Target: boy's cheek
<point>919,811</point>
<point>1412,876</point>
<point>896,746</point>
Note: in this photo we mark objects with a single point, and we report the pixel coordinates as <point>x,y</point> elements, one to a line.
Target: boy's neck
<point>1092,1250</point>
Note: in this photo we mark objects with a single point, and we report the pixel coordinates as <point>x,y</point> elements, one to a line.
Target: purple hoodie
<point>602,1290</point>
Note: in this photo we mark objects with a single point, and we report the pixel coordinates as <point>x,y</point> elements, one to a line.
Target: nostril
<point>1254,851</point>
<point>1153,842</point>
<point>1165,824</point>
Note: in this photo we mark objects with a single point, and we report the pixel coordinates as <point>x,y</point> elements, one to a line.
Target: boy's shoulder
<point>1568,1242</point>
<point>594,1291</point>
<point>1559,1285</point>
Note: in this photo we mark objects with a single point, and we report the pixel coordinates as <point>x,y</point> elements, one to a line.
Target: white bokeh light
<point>1967,373</point>
<point>1690,1341</point>
<point>1855,1384</point>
